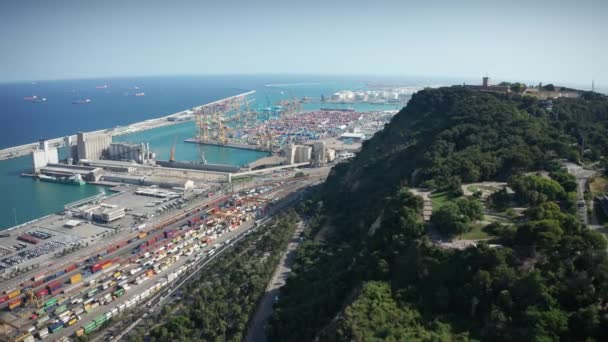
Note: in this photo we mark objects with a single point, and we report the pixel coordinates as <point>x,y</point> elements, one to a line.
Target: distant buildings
<point>546,92</point>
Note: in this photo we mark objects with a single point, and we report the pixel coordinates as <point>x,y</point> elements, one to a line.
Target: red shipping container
<point>96,268</point>
<point>42,293</point>
<point>70,268</point>
<point>3,299</point>
<point>38,283</point>
<point>53,285</point>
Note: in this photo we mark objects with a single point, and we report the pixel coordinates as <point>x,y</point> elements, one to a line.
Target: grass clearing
<point>598,186</point>
<point>476,233</point>
<point>439,198</point>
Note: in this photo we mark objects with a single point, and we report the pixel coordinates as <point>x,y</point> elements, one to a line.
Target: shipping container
<point>41,293</point>
<point>92,292</point>
<point>59,273</point>
<point>80,332</point>
<point>49,278</point>
<point>28,239</point>
<point>3,299</point>
<point>14,304</point>
<point>96,268</point>
<point>60,310</point>
<point>75,278</point>
<point>53,286</point>
<point>37,283</point>
<point>72,321</point>
<point>50,302</point>
<point>55,327</point>
<point>70,268</point>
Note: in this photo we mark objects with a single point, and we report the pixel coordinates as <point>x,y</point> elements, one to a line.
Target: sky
<point>550,41</point>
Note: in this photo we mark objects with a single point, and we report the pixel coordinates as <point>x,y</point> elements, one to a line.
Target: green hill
<point>547,279</point>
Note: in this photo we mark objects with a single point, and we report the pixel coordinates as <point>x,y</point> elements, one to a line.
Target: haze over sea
<point>21,122</point>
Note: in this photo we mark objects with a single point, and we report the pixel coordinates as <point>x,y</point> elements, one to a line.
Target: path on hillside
<point>256,332</point>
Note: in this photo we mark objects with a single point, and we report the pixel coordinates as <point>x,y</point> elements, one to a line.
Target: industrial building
<point>100,212</point>
<point>318,153</point>
<point>91,146</point>
<point>88,173</point>
<point>122,151</point>
<point>295,154</point>
<point>44,156</point>
<point>358,137</point>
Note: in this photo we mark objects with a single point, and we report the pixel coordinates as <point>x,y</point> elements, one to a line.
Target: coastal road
<point>256,332</point>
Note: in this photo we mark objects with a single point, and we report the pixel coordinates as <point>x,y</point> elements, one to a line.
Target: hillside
<point>547,280</point>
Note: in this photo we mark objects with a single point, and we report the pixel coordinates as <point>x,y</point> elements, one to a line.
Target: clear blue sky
<point>553,41</point>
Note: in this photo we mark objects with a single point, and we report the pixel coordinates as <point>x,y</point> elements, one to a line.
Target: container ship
<point>73,180</point>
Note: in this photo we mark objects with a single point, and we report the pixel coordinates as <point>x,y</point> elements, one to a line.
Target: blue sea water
<point>21,121</point>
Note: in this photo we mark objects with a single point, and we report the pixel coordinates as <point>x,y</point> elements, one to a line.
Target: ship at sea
<point>72,180</point>
<point>34,98</point>
<point>140,94</point>
<point>105,86</point>
<point>81,101</point>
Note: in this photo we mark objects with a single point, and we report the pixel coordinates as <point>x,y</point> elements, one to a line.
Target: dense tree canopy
<point>377,276</point>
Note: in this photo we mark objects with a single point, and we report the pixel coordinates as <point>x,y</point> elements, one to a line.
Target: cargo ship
<point>34,98</point>
<point>73,180</point>
<point>105,86</point>
<point>81,101</point>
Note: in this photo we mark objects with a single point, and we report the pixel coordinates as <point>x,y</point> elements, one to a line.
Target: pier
<point>168,120</point>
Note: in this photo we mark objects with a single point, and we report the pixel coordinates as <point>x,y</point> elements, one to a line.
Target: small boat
<point>105,86</point>
<point>140,94</point>
<point>81,101</point>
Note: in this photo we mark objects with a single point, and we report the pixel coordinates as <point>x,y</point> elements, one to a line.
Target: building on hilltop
<point>487,87</point>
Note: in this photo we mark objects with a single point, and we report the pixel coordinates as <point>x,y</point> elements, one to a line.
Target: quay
<point>168,120</point>
<point>227,144</point>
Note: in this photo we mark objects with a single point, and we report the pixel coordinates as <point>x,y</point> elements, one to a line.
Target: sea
<point>113,102</point>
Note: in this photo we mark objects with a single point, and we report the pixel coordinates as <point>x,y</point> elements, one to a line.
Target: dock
<point>227,144</point>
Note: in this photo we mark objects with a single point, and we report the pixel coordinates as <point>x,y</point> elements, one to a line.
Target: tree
<point>470,207</point>
<point>449,220</point>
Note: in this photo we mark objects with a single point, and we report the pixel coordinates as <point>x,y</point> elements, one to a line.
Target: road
<point>256,332</point>
<point>582,177</point>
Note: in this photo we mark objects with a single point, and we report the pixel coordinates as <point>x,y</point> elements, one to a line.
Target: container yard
<point>125,264</point>
<point>287,128</point>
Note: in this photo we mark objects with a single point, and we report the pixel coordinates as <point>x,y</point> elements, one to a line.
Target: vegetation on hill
<point>378,277</point>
